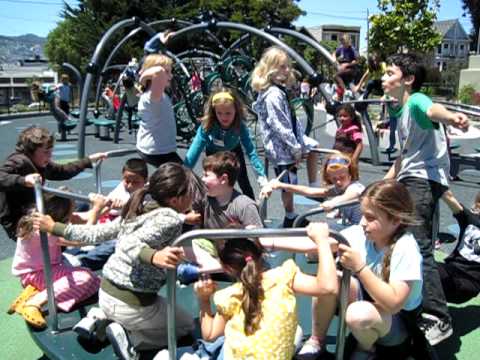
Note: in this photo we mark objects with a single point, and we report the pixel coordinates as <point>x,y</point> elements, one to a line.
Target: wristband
<point>360,270</point>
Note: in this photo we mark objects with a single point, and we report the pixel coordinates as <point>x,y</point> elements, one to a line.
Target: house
<point>335,32</point>
<point>455,44</point>
<point>15,79</point>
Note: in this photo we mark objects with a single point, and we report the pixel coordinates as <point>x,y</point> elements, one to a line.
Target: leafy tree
<point>404,25</point>
<point>77,35</point>
<point>473,7</point>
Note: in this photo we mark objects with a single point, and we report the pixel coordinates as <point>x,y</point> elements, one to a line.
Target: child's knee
<point>360,315</point>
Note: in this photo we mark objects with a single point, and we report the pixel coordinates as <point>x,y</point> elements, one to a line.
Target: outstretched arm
<point>439,113</point>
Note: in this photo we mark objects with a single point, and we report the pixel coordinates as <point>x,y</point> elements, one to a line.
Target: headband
<point>337,162</point>
<point>222,96</point>
<point>248,258</point>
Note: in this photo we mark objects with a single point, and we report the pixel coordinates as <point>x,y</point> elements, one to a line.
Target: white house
<point>455,44</point>
<point>335,32</point>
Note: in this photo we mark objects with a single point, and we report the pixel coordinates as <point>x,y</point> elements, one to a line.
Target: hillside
<point>15,48</point>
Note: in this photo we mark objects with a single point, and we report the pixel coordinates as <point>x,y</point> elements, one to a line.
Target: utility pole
<point>368,30</point>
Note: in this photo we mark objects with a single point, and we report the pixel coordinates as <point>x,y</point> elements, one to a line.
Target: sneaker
<point>310,350</point>
<point>434,329</point>
<point>287,222</point>
<point>187,273</point>
<point>118,337</point>
<point>85,328</point>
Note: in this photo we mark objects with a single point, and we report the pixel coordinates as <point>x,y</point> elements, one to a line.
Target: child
<point>134,274</point>
<point>348,138</point>
<point>157,133</point>
<point>346,57</point>
<point>32,159</point>
<point>258,314</point>
<point>305,88</point>
<point>283,136</point>
<point>340,177</point>
<point>222,208</point>
<point>71,284</point>
<point>132,95</point>
<point>223,129</point>
<point>375,70</point>
<point>64,93</point>
<point>386,293</point>
<point>423,168</point>
<point>134,177</point>
<point>460,272</point>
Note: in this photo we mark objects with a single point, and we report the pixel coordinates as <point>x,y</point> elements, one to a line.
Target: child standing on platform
<point>423,167</point>
<point>348,138</point>
<point>223,129</point>
<point>157,133</point>
<point>286,144</point>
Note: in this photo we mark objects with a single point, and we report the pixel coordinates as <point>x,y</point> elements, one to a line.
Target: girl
<point>375,70</point>
<point>157,133</point>
<point>223,129</point>
<point>134,274</point>
<point>348,138</point>
<point>71,284</point>
<point>340,177</point>
<point>283,136</point>
<point>258,313</point>
<point>386,293</point>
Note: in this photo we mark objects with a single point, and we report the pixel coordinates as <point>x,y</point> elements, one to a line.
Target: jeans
<point>95,259</point>
<point>425,195</point>
<point>393,130</point>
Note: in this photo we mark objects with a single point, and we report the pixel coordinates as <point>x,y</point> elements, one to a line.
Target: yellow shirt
<point>274,340</point>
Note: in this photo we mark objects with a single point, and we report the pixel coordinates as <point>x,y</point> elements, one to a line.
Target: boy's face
<point>42,156</point>
<point>393,82</point>
<point>214,184</point>
<point>132,181</point>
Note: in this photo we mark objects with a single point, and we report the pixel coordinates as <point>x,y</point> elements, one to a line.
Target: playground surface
<point>16,341</point>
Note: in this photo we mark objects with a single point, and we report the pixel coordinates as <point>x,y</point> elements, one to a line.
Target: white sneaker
<point>434,329</point>
<point>118,337</point>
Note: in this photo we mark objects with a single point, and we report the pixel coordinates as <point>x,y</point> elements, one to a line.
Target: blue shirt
<point>218,139</point>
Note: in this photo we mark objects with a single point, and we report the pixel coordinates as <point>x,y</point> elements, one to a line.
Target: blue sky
<point>19,17</point>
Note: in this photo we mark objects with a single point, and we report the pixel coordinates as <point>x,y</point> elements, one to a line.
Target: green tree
<point>473,8</point>
<point>404,25</point>
<point>76,36</point>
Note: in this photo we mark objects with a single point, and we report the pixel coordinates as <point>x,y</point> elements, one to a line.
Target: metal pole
<point>65,194</point>
<point>47,270</point>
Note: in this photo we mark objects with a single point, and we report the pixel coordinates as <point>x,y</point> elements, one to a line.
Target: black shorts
<point>290,177</point>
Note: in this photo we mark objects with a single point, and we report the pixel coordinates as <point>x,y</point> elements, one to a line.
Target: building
<point>335,32</point>
<point>15,79</point>
<point>455,44</point>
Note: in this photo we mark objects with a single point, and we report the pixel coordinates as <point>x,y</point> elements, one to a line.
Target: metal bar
<point>226,234</point>
<point>369,101</point>
<point>97,169</point>
<point>47,269</point>
<point>120,152</point>
<point>464,111</point>
<point>66,194</point>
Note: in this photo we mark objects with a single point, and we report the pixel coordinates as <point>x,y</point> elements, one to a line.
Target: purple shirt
<point>345,54</point>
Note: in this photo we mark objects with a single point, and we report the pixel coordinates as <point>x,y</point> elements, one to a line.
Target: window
<point>334,37</point>
<point>439,49</point>
<point>445,46</point>
<point>461,47</point>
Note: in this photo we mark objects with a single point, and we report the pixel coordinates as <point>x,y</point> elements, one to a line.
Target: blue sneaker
<point>187,273</point>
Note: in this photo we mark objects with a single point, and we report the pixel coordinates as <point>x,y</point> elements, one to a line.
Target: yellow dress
<point>274,340</point>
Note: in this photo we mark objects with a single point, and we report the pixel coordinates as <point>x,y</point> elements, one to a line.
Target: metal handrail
<point>226,234</point>
<point>97,165</point>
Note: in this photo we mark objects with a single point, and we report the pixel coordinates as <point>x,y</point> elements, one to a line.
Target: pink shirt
<point>28,254</point>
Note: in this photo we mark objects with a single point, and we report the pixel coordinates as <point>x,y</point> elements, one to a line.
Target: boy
<point>134,177</point>
<point>64,93</point>
<point>32,159</point>
<point>460,273</point>
<point>224,207</point>
<point>423,167</point>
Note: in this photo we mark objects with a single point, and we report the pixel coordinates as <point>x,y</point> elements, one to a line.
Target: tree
<point>77,35</point>
<point>404,25</point>
<point>473,7</point>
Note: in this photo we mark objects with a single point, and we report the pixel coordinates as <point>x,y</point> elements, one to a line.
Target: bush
<point>466,95</point>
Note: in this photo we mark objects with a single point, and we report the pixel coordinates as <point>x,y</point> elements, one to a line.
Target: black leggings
<point>157,160</point>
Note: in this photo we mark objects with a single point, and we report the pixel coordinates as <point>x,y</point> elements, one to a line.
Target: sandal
<point>33,315</point>
<point>19,302</point>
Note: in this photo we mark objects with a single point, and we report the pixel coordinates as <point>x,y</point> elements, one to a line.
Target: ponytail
<point>244,257</point>
<point>134,205</point>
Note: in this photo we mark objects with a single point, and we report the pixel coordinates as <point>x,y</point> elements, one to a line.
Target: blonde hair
<point>347,39</point>
<point>267,67</point>
<point>220,97</point>
<point>156,60</point>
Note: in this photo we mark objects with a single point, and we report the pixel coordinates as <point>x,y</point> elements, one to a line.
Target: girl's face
<point>378,226</point>
<point>340,177</point>
<point>344,117</point>
<point>283,70</point>
<point>225,114</point>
